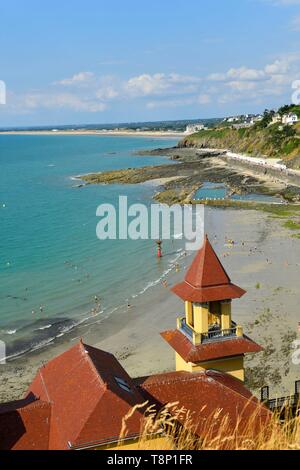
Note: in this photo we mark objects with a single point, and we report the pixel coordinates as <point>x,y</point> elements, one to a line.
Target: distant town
<point>244,121</point>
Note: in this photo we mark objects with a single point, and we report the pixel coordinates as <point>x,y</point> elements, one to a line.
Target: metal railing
<point>186,329</point>
<point>283,402</point>
<point>291,402</point>
<point>213,335</point>
<point>217,335</point>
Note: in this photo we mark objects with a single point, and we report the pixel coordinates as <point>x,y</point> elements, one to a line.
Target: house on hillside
<point>289,119</point>
<point>192,128</point>
<point>276,119</point>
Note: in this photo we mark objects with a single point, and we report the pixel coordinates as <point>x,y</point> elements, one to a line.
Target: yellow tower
<point>206,337</point>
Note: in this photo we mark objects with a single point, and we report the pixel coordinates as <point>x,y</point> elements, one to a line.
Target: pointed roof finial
<point>206,279</point>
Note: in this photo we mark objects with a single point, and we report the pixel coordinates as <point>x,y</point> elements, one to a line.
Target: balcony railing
<point>283,404</point>
<point>217,335</point>
<point>213,335</point>
<point>186,329</point>
<point>278,404</point>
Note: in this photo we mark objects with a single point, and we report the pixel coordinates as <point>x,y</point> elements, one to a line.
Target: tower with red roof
<point>206,337</point>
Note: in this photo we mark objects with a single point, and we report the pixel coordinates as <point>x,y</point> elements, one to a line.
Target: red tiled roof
<point>76,402</point>
<point>208,351</point>
<point>202,394</point>
<point>25,424</point>
<point>88,405</point>
<point>206,280</point>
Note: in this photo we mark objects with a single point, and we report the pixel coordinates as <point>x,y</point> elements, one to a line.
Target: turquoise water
<point>49,253</point>
<point>221,191</point>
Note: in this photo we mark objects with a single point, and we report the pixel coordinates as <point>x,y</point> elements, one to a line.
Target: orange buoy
<point>159,249</point>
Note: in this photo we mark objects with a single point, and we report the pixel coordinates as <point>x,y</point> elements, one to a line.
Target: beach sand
<point>265,260</point>
<point>114,133</point>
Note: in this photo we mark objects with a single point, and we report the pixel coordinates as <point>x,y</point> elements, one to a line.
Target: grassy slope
<point>269,141</point>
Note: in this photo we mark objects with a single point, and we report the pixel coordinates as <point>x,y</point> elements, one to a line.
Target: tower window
<point>215,308</point>
<point>123,384</point>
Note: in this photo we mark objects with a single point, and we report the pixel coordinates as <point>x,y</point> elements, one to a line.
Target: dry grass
<point>161,431</point>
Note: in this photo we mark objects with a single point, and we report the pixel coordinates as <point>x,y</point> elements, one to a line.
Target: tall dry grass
<point>162,431</point>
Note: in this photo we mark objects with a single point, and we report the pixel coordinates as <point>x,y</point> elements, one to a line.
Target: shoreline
<point>193,167</point>
<point>99,133</point>
<point>272,294</point>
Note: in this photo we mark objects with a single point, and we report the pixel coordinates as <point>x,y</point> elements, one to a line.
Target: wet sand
<point>265,260</point>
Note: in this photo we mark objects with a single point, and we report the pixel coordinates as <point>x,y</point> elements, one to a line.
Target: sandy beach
<point>264,260</point>
<point>114,133</point>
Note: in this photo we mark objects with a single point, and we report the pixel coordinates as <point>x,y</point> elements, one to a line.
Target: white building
<point>289,119</point>
<point>276,119</point>
<point>233,119</point>
<point>192,128</point>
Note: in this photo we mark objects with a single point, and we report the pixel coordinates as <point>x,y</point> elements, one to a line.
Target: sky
<point>127,61</point>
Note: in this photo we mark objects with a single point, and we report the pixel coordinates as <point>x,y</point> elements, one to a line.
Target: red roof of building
<point>202,394</point>
<point>206,280</point>
<point>88,403</point>
<point>209,351</point>
<point>79,400</point>
<point>25,424</point>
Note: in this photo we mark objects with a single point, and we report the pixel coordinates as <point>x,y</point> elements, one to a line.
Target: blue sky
<point>118,61</point>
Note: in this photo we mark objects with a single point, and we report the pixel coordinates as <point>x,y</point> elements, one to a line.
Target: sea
<point>55,274</point>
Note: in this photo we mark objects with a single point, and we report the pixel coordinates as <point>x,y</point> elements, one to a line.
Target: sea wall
<point>288,178</point>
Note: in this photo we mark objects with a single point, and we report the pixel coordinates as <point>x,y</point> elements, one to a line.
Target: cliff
<point>273,140</point>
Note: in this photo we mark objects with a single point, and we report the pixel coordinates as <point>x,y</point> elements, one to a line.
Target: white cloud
<point>241,86</point>
<point>36,100</point>
<point>147,84</point>
<point>160,83</point>
<point>88,92</point>
<point>244,83</point>
<point>107,93</point>
<point>244,73</point>
<point>277,67</point>
<point>241,73</point>
<point>77,79</point>
<point>217,77</point>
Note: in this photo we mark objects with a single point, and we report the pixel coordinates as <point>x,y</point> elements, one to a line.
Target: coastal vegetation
<point>263,138</point>
<point>274,434</point>
<point>292,225</point>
